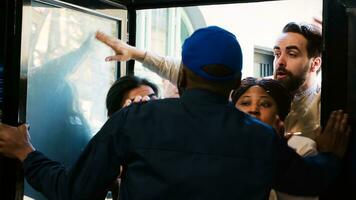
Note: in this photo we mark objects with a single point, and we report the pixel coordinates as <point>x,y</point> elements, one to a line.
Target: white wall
<point>259,23</point>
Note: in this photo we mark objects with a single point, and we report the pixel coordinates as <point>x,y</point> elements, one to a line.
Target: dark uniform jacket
<point>192,148</point>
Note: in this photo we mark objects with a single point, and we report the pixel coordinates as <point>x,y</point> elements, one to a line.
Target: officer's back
<point>192,149</point>
<point>198,146</point>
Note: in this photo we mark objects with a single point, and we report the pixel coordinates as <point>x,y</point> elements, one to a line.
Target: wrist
<point>138,54</point>
<point>22,154</point>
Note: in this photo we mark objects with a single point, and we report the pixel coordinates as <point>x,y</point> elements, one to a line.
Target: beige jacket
<point>166,67</point>
<point>304,116</point>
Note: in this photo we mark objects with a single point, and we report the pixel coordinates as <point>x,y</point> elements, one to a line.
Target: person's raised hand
<point>335,135</point>
<point>123,51</point>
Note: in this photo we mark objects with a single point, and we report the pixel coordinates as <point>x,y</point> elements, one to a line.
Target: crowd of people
<point>224,138</point>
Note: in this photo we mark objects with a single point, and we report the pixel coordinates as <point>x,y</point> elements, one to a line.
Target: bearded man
<point>297,63</point>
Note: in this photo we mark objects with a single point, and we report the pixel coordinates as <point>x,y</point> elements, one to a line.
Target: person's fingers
<point>108,40</point>
<point>347,134</point>
<point>318,132</point>
<point>23,128</point>
<point>343,123</point>
<point>28,131</point>
<point>330,124</point>
<point>28,127</point>
<point>338,120</point>
<point>127,103</point>
<point>137,99</point>
<point>117,45</point>
<point>116,58</point>
<point>145,98</point>
<point>101,36</point>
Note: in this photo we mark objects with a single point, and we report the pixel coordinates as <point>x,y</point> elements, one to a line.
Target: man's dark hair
<point>274,88</point>
<point>311,32</point>
<point>117,92</point>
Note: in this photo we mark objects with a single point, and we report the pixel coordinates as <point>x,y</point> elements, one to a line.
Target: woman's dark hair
<point>121,87</point>
<point>274,88</point>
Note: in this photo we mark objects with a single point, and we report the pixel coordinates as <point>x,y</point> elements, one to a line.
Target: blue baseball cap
<point>212,45</point>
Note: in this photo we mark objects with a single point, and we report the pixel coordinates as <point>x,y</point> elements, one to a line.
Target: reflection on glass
<point>67,81</point>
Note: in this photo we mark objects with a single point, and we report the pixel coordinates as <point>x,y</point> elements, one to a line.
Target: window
<point>163,31</point>
<point>263,62</point>
<point>64,65</point>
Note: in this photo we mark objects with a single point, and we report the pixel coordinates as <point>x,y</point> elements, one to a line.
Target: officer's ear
<point>182,80</point>
<point>238,80</point>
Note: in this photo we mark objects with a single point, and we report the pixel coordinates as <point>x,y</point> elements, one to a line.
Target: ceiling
<point>145,4</point>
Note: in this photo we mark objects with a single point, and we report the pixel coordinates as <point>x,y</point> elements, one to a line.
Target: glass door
<point>65,77</point>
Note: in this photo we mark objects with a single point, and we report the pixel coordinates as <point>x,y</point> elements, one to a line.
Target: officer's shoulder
<point>251,122</point>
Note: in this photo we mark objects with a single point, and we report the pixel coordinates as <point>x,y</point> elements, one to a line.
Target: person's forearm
<point>307,176</point>
<point>46,176</point>
<point>166,67</point>
<point>296,175</point>
<point>88,178</point>
<point>138,54</point>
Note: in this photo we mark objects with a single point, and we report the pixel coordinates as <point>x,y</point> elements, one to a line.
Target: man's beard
<point>291,82</point>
